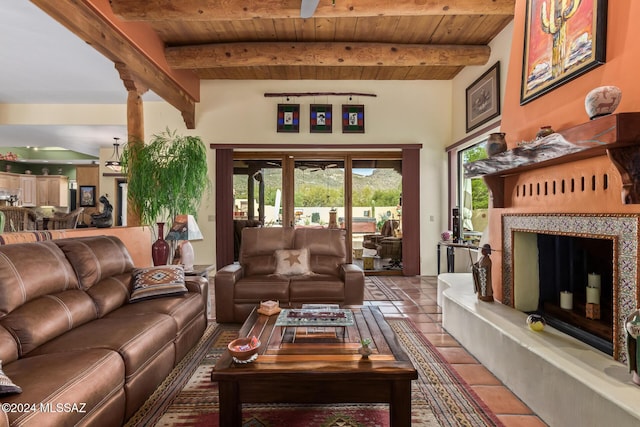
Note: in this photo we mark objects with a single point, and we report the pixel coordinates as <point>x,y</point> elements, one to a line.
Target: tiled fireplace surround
<point>622,229</point>
<point>592,189</point>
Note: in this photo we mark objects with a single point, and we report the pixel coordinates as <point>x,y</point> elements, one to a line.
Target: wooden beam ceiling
<point>261,54</point>
<point>88,23</point>
<point>226,10</point>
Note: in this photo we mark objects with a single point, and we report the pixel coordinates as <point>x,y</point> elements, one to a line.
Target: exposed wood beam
<point>223,10</point>
<point>324,54</point>
<point>87,22</point>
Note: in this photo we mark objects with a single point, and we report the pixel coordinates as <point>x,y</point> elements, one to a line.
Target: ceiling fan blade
<point>308,8</point>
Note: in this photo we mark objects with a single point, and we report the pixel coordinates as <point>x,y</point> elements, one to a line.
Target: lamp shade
<point>184,227</point>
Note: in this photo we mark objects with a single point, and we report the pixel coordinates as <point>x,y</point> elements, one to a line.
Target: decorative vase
<point>496,144</point>
<point>602,100</point>
<point>160,248</point>
<point>365,351</point>
<point>544,131</point>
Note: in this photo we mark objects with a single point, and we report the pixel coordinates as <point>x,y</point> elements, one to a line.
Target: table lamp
<point>184,229</point>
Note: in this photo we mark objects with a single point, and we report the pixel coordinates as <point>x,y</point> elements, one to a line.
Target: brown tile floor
<point>419,304</point>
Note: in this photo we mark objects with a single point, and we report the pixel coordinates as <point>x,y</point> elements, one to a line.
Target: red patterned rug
<point>439,397</point>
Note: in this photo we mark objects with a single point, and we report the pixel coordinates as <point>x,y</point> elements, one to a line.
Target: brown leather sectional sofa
<point>240,287</point>
<point>70,338</point>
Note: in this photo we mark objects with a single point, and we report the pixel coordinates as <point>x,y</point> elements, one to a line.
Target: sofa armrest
<point>224,282</point>
<point>197,284</point>
<point>353,277</point>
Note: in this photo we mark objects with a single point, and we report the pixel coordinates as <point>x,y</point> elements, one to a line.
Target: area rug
<point>439,397</point>
<point>376,289</point>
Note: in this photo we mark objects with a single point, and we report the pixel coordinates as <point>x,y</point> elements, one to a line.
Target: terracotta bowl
<point>242,349</point>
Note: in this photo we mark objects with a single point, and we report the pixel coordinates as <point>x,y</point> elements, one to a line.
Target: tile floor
<point>419,304</point>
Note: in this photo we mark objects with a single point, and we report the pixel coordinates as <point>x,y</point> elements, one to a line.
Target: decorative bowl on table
<point>244,350</point>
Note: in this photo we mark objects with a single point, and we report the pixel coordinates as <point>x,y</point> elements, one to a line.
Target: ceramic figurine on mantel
<point>496,144</point>
<point>602,100</point>
<point>544,132</point>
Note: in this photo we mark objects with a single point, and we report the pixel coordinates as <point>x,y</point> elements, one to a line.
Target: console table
<point>451,254</point>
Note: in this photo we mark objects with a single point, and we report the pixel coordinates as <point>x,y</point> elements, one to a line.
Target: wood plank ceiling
<point>347,40</point>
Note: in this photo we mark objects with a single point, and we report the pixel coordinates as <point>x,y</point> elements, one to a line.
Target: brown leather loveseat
<point>72,339</point>
<point>259,275</point>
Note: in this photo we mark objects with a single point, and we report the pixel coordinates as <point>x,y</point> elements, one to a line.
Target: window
<point>473,195</point>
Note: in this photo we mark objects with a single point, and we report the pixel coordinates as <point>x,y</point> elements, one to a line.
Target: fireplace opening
<point>574,286</point>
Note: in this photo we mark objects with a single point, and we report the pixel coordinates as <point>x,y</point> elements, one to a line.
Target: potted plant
<point>166,177</point>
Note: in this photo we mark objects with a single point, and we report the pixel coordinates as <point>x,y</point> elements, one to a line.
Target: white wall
<point>500,51</point>
<point>410,112</point>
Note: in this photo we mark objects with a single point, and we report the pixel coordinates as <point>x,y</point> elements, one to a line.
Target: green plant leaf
<point>166,177</point>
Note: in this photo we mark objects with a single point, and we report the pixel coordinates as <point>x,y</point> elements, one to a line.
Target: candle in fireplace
<point>593,288</point>
<point>566,300</point>
<point>593,295</point>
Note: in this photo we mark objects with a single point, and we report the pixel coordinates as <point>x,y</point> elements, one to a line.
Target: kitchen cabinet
<point>52,190</point>
<point>29,196</point>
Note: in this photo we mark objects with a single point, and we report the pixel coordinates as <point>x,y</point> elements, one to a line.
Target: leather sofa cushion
<point>259,245</point>
<point>90,377</point>
<point>261,288</point>
<point>318,288</point>
<point>30,270</point>
<point>327,247</point>
<point>111,293</point>
<point>182,309</point>
<point>137,338</point>
<point>47,317</point>
<point>97,257</point>
<point>8,347</point>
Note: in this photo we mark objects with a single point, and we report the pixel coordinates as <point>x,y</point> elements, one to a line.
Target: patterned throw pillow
<point>6,385</point>
<point>292,262</point>
<point>157,282</point>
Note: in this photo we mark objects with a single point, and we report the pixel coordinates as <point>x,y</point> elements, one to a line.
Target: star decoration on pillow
<point>294,258</point>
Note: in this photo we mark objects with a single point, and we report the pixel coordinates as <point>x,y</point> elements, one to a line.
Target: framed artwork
<point>288,118</point>
<point>87,195</point>
<point>483,98</point>
<point>320,118</point>
<point>353,118</point>
<point>562,40</point>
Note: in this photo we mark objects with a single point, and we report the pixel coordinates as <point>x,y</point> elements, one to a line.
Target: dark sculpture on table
<point>103,219</point>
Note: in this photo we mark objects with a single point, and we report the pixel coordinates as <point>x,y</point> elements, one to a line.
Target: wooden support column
<point>135,124</point>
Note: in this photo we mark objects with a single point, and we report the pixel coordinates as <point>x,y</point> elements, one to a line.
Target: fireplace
<point>573,247</point>
<point>574,276</point>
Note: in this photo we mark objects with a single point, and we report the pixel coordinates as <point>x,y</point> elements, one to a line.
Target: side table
<point>203,271</point>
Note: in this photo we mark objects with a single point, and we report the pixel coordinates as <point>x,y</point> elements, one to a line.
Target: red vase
<point>160,248</point>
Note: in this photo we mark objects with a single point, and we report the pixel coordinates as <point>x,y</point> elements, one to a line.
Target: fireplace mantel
<point>616,136</point>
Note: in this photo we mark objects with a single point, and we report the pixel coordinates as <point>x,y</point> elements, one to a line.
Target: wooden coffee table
<point>315,366</point>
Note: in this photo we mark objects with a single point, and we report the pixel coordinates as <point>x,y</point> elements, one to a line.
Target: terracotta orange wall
<point>563,107</point>
<point>138,240</point>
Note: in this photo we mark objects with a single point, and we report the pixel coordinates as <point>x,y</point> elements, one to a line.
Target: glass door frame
<point>408,153</point>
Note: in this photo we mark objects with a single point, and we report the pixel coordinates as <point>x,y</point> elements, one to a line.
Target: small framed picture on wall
<point>320,118</point>
<point>87,195</point>
<point>288,118</point>
<point>352,118</point>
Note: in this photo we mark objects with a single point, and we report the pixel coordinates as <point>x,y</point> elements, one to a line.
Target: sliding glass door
<point>358,192</point>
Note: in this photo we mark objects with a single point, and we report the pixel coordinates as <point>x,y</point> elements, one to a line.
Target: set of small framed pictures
<point>321,118</point>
